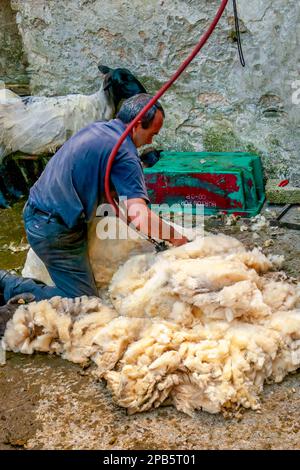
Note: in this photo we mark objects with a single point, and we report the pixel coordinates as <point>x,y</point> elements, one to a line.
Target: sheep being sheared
<point>39,125</point>
<point>202,326</point>
<point>106,254</point>
<point>208,274</point>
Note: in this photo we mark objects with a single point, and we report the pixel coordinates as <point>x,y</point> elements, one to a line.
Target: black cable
<point>238,35</point>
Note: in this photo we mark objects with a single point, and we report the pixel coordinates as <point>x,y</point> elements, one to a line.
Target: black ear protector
<point>150,156</point>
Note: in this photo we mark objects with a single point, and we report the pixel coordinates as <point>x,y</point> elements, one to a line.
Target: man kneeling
<point>64,199</point>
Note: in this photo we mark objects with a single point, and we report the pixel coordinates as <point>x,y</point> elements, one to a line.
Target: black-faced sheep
<point>39,125</point>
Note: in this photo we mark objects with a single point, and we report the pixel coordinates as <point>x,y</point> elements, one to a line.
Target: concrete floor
<point>49,403</point>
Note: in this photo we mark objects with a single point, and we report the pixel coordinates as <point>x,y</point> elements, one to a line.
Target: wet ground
<point>49,403</point>
<point>13,244</point>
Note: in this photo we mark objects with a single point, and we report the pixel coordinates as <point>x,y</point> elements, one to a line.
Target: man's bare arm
<point>151,224</point>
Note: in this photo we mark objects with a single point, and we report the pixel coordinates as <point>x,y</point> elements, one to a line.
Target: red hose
<point>163,89</point>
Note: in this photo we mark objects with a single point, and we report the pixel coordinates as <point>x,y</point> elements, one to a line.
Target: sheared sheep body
<point>38,125</point>
<point>202,326</point>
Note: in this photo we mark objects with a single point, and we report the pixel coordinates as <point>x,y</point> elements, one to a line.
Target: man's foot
<point>7,311</point>
<point>24,298</point>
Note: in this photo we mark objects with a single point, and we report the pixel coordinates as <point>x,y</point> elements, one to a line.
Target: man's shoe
<point>7,311</point>
<point>24,298</point>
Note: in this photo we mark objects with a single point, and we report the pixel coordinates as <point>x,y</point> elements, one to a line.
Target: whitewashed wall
<point>217,104</point>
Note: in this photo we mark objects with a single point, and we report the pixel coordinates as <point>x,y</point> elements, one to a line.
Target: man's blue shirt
<point>72,184</point>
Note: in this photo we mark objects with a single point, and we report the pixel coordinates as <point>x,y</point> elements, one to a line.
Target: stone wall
<point>217,104</point>
<point>12,58</point>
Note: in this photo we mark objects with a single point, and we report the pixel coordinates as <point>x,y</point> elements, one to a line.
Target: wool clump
<point>202,326</point>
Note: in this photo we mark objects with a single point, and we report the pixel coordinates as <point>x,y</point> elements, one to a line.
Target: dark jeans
<point>65,254</point>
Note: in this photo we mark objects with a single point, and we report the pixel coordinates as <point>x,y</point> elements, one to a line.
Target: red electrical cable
<point>163,89</point>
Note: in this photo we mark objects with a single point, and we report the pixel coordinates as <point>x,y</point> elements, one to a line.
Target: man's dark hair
<point>131,108</point>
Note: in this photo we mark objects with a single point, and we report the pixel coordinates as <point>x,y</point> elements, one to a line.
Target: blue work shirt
<point>72,183</point>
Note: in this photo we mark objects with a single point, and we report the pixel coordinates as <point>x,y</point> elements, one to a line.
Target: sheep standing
<point>40,125</point>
